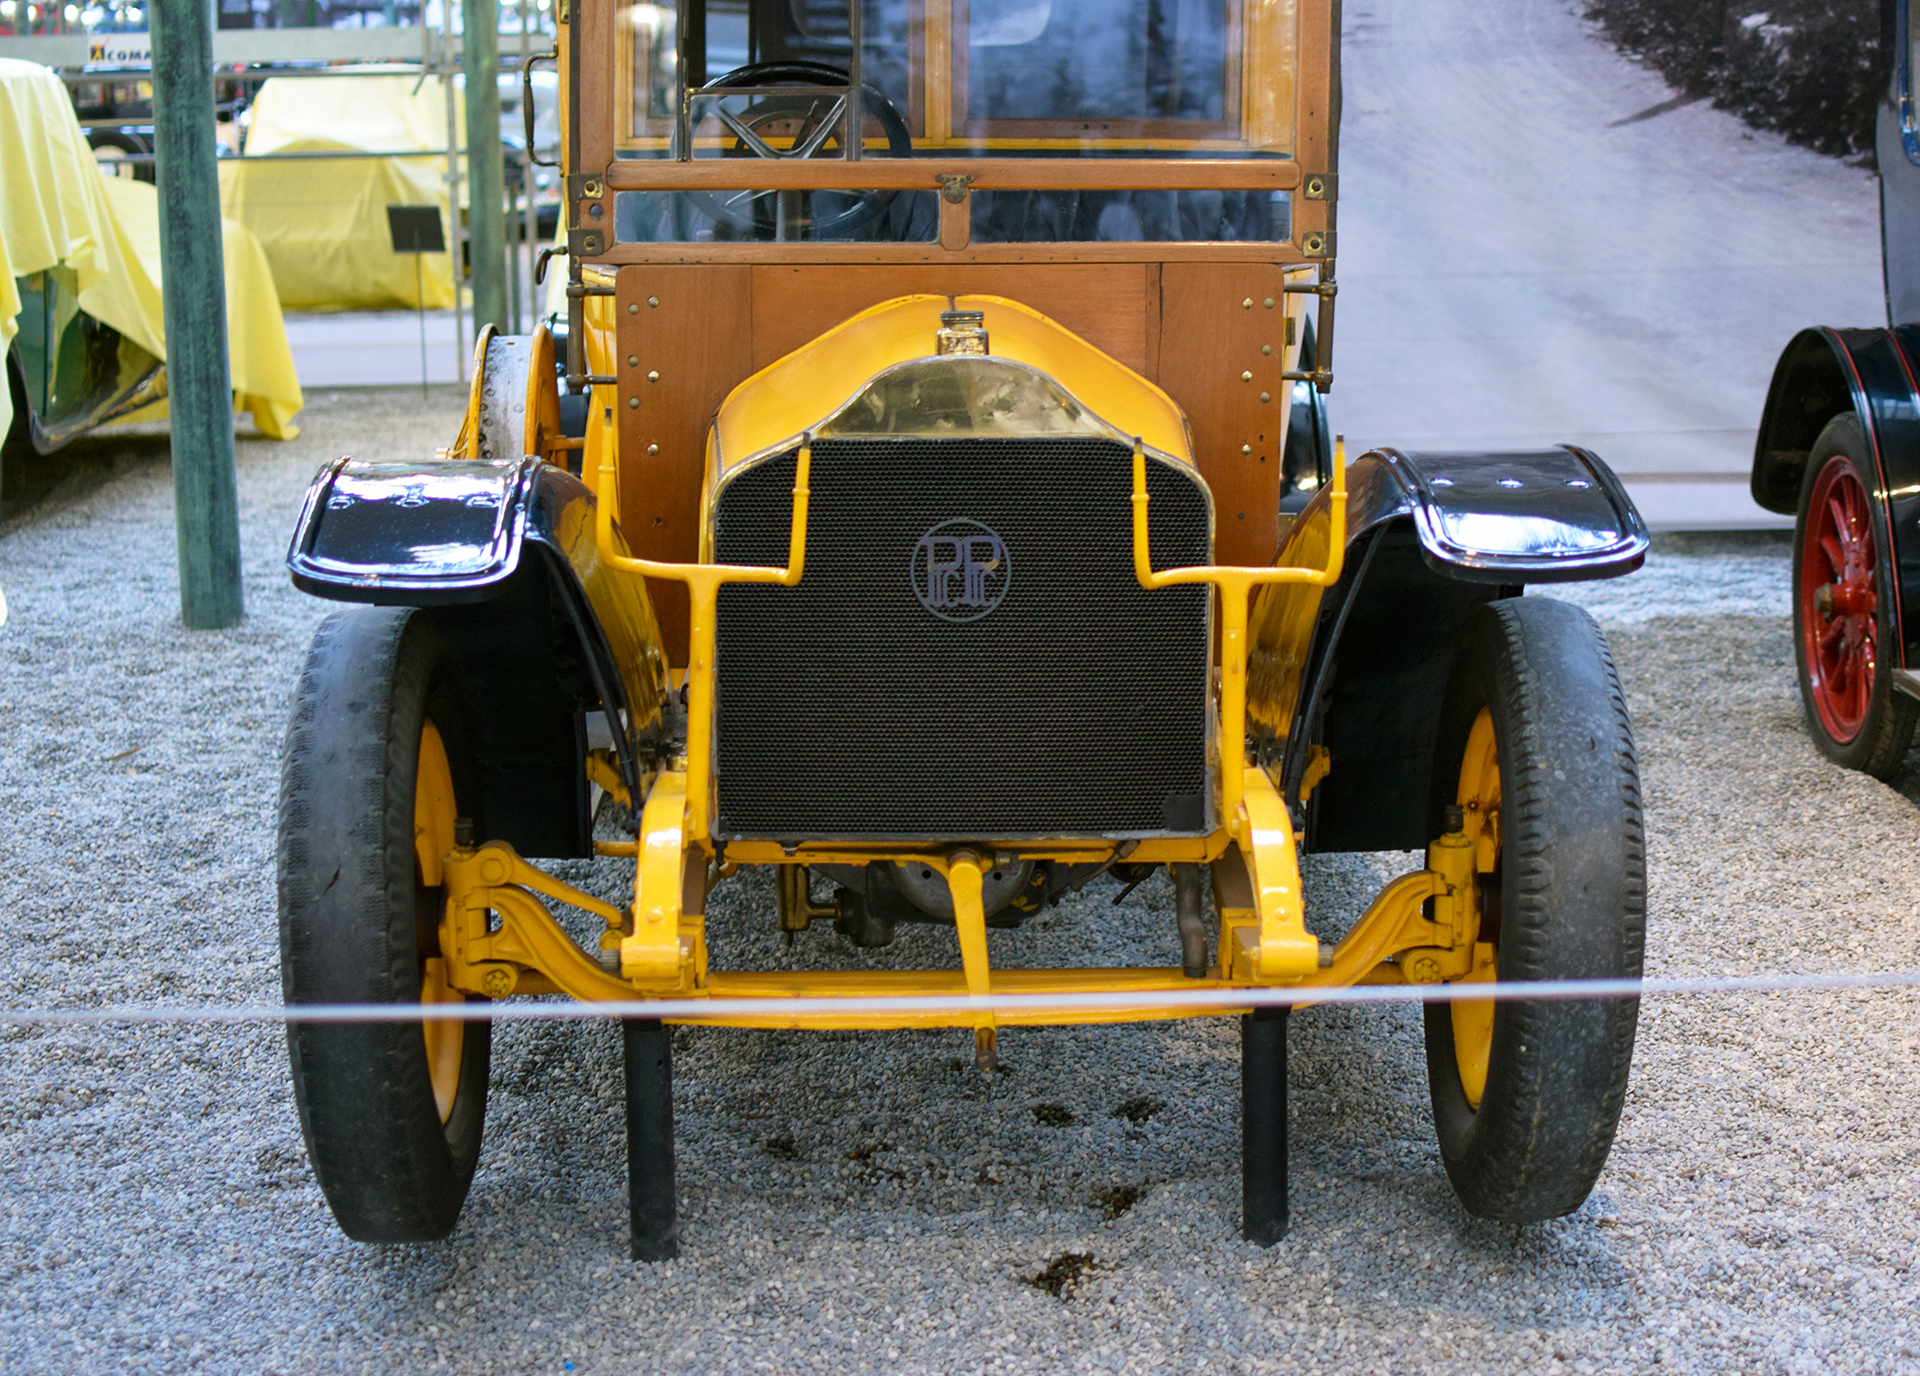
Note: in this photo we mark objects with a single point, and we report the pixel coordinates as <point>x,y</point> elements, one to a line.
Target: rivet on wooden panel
<point>633,403</point>
<point>653,377</point>
<point>653,449</point>
<point>1265,397</point>
<point>1268,348</point>
<point>1247,304</point>
<point>1246,377</point>
<point>1269,303</point>
<point>1246,449</point>
<point>633,308</point>
<point>651,301</point>
<point>633,360</point>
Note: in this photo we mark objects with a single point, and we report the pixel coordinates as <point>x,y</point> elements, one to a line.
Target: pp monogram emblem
<point>960,570</point>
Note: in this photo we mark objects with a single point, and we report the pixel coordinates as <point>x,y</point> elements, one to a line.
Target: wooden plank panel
<point>1318,147</point>
<point>684,344</point>
<point>592,18</point>
<point>1211,363</point>
<point>1103,303</point>
<point>1152,368</point>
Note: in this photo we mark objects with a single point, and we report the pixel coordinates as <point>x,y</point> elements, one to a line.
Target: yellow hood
<point>815,384</point>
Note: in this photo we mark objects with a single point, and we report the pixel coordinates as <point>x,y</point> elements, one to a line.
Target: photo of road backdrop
<point>1598,223</point>
<point>1806,69</point>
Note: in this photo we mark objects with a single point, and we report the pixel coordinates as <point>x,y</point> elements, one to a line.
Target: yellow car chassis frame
<point>499,938</point>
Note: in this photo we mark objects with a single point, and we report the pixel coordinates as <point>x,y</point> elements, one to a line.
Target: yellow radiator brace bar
<point>1236,586</point>
<point>703,590</point>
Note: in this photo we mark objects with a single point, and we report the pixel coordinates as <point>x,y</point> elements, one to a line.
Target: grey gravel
<point>867,1202</point>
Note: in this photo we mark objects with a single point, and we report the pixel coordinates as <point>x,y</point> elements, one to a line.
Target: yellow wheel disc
<point>1479,799</point>
<point>433,814</point>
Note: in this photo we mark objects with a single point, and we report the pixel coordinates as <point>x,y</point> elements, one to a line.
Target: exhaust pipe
<point>1188,907</point>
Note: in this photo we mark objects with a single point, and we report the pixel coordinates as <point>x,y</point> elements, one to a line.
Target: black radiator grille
<point>1078,705</point>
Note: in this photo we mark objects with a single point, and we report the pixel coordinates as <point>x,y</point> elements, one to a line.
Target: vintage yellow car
<point>952,527</point>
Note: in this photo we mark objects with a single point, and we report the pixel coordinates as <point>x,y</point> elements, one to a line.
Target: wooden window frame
<point>1304,106</point>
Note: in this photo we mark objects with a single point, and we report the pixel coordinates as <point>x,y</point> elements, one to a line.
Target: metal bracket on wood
<point>954,188</point>
<point>1321,186</point>
<point>1326,290</point>
<point>584,243</point>
<point>585,186</point>
<point>579,289</point>
<point>1319,377</point>
<point>1317,243</point>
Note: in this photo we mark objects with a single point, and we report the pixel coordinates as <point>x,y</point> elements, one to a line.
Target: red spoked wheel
<point>1842,609</point>
<point>1839,599</point>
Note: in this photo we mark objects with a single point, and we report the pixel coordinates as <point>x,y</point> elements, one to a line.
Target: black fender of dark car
<point>502,555</point>
<point>1869,374</point>
<point>1429,537</point>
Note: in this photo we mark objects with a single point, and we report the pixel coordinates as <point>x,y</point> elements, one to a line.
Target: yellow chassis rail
<point>499,938</point>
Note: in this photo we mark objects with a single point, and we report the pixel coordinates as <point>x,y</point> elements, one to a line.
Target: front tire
<point>1844,637</point>
<point>377,766</point>
<point>1536,749</point>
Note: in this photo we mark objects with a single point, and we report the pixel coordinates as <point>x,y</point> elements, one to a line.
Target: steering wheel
<point>809,126</point>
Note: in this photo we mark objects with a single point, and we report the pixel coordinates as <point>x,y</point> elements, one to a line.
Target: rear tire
<point>1845,640</point>
<point>1564,897</point>
<point>392,1112</point>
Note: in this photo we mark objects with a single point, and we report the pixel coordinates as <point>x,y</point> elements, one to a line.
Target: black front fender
<point>1360,670</point>
<point>421,534</point>
<point>1539,516</point>
<point>503,554</point>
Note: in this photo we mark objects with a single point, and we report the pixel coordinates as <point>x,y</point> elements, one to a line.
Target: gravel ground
<point>866,1202</point>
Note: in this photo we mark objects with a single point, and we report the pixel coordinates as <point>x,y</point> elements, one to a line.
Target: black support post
<point>206,510</point>
<point>650,1197</point>
<point>1263,1126</point>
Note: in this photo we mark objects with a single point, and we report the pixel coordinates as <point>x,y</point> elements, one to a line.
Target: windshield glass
<point>1104,67</point>
<point>1070,78</point>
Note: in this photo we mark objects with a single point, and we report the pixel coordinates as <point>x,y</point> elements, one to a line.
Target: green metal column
<point>206,512</point>
<point>486,189</point>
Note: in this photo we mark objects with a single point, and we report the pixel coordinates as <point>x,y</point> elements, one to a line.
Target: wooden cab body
<point>1166,193</point>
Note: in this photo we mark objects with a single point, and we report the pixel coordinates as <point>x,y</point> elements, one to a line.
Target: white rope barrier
<point>1196,1001</point>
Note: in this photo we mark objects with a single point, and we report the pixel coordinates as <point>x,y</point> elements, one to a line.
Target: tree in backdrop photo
<point>1806,69</point>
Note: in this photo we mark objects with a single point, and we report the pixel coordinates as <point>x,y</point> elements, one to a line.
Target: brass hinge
<point>1321,186</point>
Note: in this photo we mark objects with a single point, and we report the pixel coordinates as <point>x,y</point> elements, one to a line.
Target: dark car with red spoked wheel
<point>1839,450</point>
